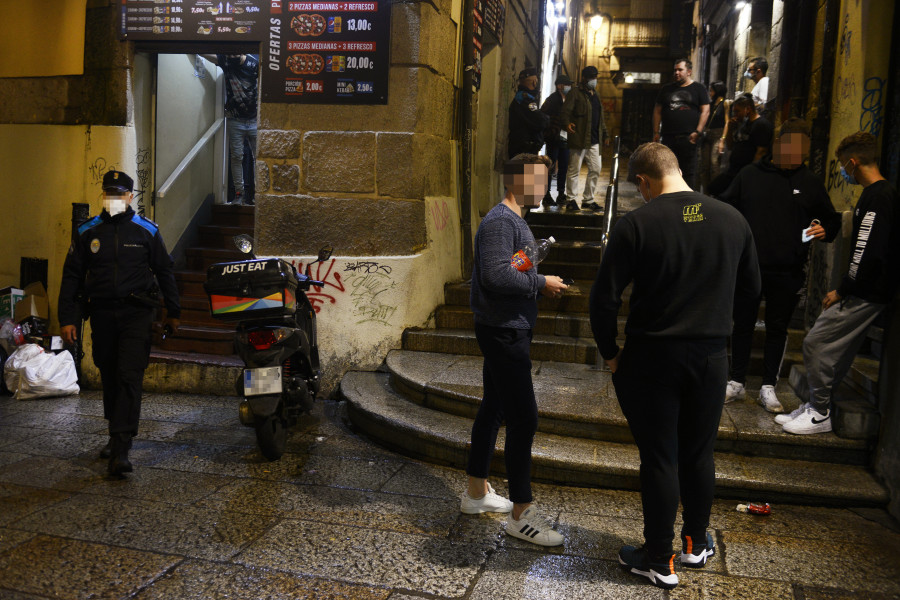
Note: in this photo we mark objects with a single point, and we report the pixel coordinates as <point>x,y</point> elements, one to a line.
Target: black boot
<point>106,452</point>
<point>118,460</point>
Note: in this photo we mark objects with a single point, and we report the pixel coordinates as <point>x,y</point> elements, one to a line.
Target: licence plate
<point>266,380</point>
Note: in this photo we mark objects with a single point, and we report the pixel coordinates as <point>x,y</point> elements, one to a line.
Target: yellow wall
<point>44,169</point>
<point>46,37</point>
<point>859,95</point>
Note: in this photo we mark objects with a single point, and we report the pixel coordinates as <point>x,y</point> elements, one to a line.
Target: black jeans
<point>672,392</point>
<point>121,339</point>
<point>781,291</point>
<point>509,396</point>
<point>559,153</point>
<point>688,156</point>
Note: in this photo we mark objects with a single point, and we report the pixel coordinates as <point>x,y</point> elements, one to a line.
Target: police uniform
<point>526,121</point>
<point>111,265</point>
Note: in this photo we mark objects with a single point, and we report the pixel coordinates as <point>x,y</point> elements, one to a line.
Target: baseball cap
<point>589,72</point>
<point>117,181</point>
<point>528,72</point>
<point>563,80</point>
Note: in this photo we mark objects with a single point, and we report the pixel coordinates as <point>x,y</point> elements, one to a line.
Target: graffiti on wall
<point>870,118</point>
<point>333,284</point>
<point>835,180</point>
<point>142,181</point>
<point>440,212</point>
<point>369,285</point>
<point>846,37</point>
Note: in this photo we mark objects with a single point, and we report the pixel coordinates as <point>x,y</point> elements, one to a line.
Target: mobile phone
<point>568,281</point>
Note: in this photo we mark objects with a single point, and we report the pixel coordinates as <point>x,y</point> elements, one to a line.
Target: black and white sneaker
<point>694,554</point>
<point>572,205</point>
<point>661,573</point>
<point>533,527</point>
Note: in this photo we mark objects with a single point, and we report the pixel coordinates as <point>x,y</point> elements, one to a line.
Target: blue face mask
<point>847,177</point>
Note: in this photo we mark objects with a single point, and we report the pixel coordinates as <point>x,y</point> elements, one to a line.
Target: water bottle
<point>531,256</point>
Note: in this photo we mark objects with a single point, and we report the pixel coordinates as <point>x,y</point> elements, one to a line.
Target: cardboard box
<point>34,303</point>
<point>9,296</point>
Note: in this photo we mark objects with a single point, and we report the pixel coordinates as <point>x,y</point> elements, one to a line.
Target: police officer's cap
<point>563,80</point>
<point>117,181</point>
<point>589,72</point>
<point>528,72</point>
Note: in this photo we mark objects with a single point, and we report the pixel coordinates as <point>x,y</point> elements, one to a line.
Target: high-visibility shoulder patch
<point>89,224</point>
<point>145,223</point>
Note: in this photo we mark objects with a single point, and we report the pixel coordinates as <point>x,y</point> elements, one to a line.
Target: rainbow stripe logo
<point>231,304</point>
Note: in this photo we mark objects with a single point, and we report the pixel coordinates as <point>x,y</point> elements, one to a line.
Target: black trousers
<point>121,338</point>
<point>688,156</point>
<point>509,396</point>
<point>781,290</point>
<point>672,392</point>
<point>559,153</point>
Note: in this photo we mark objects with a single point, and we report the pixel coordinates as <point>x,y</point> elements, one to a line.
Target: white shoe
<point>769,400</point>
<point>533,527</point>
<point>809,421</point>
<point>733,391</point>
<point>782,419</point>
<point>490,502</point>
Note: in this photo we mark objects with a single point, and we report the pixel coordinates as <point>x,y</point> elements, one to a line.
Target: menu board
<point>495,17</point>
<point>327,53</point>
<point>166,20</point>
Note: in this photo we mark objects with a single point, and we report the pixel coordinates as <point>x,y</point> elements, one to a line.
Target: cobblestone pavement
<point>204,516</point>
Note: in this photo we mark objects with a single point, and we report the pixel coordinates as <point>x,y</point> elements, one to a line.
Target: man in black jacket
<point>112,264</point>
<point>780,198</point>
<point>526,121</point>
<point>557,141</point>
<point>689,257</point>
<point>870,283</point>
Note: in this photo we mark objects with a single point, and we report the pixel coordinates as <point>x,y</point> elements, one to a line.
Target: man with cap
<point>526,121</point>
<point>111,265</point>
<point>555,136</point>
<point>582,118</point>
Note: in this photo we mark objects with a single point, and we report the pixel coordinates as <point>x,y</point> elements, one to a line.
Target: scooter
<point>276,338</point>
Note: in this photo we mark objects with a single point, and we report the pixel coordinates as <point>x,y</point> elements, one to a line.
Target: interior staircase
<point>423,401</point>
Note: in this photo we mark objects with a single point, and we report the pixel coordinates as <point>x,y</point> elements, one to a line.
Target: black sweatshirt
<point>688,256</point>
<point>779,204</point>
<point>875,262</point>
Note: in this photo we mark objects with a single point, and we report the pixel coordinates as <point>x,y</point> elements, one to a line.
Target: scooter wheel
<point>271,435</point>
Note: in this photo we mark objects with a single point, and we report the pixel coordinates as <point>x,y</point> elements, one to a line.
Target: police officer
<point>526,121</point>
<point>111,265</point>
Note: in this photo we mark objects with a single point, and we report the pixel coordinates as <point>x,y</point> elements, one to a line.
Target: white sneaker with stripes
<point>533,527</point>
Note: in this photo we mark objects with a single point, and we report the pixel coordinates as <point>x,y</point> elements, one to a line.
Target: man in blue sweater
<point>504,301</point>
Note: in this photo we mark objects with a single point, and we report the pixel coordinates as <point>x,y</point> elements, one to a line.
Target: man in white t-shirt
<point>757,70</point>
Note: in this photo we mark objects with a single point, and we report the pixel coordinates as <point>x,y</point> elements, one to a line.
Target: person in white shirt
<point>757,70</point>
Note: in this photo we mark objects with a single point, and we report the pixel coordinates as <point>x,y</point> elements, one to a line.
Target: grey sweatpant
<point>832,343</point>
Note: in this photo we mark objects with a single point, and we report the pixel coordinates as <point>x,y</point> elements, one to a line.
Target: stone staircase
<point>200,357</point>
<point>424,399</point>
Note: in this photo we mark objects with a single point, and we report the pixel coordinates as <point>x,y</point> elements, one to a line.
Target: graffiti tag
<point>369,304</point>
<point>834,180</point>
<point>870,120</point>
<point>324,272</point>
<point>368,266</point>
<point>441,215</point>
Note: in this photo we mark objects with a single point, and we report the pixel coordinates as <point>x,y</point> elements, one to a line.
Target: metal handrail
<point>190,156</point>
<point>612,195</point>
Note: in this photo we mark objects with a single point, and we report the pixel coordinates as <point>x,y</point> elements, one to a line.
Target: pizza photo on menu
<point>305,25</point>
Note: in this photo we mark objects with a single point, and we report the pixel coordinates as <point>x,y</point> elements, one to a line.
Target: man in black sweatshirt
<point>868,286</point>
<point>689,257</point>
<point>786,206</point>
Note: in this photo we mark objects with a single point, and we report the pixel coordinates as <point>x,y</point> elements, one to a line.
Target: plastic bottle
<point>755,508</point>
<point>530,256</point>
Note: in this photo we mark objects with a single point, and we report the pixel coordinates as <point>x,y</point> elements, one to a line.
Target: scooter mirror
<point>244,243</point>
<point>325,252</point>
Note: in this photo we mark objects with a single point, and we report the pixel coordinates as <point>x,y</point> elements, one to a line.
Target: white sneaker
<point>809,421</point>
<point>769,400</point>
<point>733,391</point>
<point>533,527</point>
<point>490,502</point>
<point>782,419</point>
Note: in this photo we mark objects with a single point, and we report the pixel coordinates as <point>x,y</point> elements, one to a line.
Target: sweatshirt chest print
<point>692,213</point>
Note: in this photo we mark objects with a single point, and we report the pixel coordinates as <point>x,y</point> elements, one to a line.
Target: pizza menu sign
<point>315,52</point>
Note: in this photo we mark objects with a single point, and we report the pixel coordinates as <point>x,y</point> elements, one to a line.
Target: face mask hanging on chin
<point>115,205</point>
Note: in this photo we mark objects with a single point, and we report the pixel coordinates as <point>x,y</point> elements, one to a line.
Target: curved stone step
<point>384,415</point>
<point>577,400</point>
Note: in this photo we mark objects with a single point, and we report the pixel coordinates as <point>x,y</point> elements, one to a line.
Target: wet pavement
<point>205,516</point>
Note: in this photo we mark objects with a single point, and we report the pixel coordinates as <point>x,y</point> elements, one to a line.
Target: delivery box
<point>33,304</point>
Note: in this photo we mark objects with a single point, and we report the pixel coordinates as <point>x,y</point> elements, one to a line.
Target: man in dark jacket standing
<point>688,257</point>
<point>870,283</point>
<point>780,198</point>
<point>582,118</point>
<point>112,264</point>
<point>557,142</point>
<point>526,121</point>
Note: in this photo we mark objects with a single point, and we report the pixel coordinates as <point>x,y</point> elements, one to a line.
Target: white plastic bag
<point>32,373</point>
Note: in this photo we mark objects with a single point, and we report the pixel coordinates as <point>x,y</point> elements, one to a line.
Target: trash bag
<point>32,373</point>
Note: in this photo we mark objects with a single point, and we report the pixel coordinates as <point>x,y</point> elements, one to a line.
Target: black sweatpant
<point>688,156</point>
<point>509,396</point>
<point>120,336</point>
<point>781,290</point>
<point>671,392</point>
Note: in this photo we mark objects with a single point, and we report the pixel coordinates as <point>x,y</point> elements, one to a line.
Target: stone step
<point>196,338</point>
<point>189,373</point>
<point>190,283</point>
<point>385,416</point>
<point>575,300</point>
<point>229,215</point>
<point>855,412</point>
<point>568,251</point>
<point>578,400</point>
<point>564,218</point>
<point>566,233</point>
<point>199,259</point>
<point>219,236</point>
